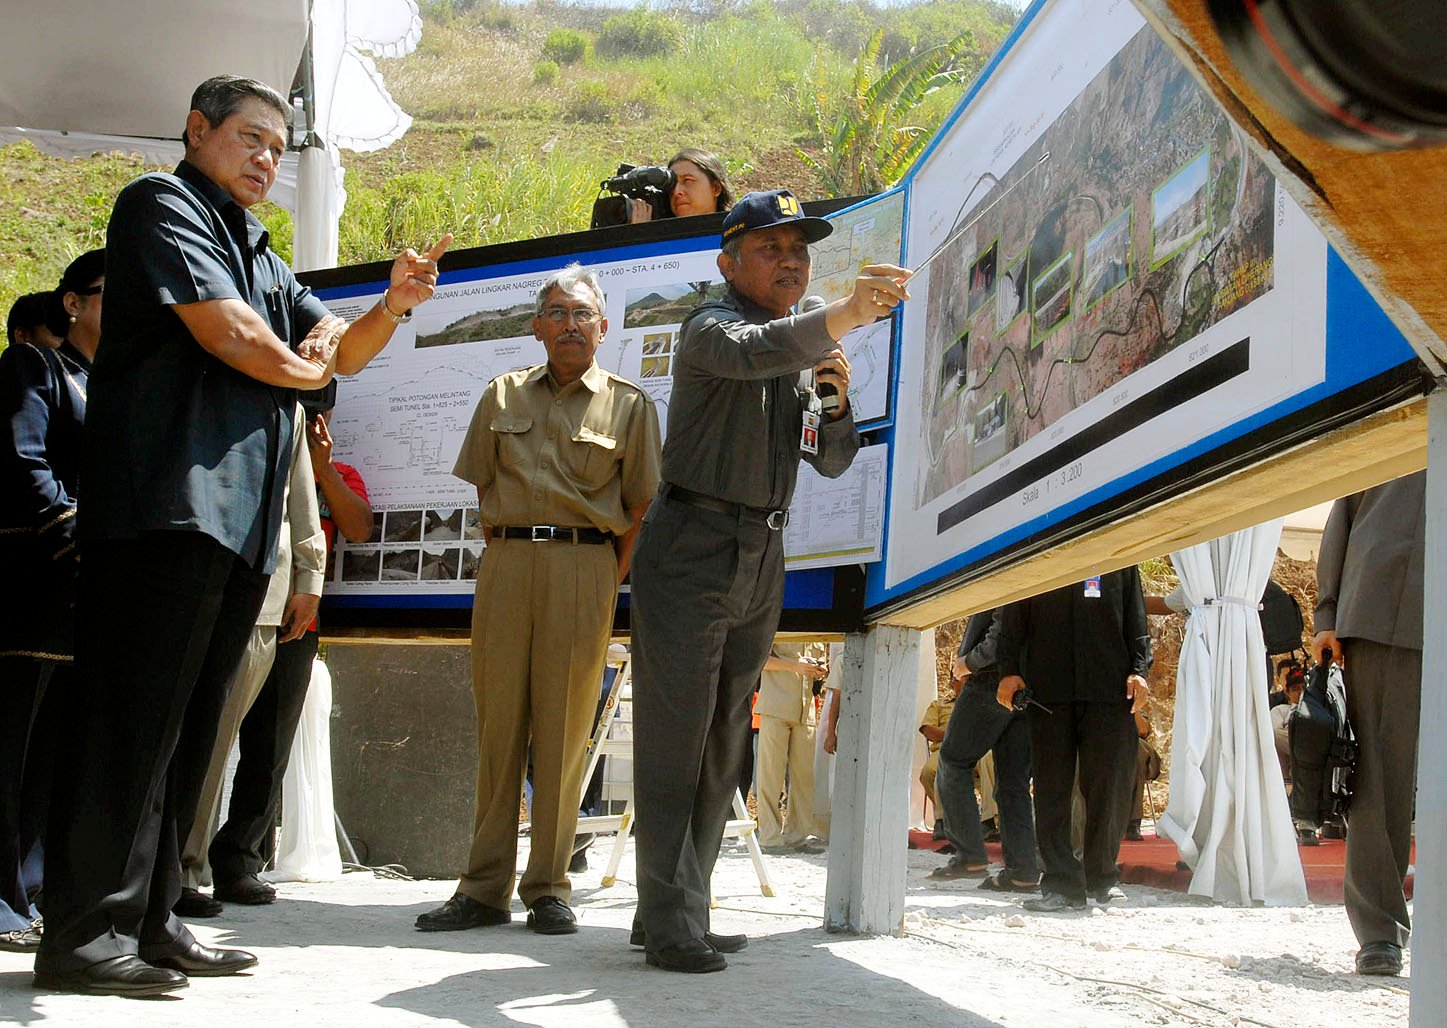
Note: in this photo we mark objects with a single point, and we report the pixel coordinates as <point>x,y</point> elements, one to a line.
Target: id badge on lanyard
<point>809,433</point>
<point>1092,587</point>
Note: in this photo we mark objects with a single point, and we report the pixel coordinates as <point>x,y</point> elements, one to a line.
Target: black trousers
<point>707,592</point>
<point>162,621</point>
<point>33,695</point>
<point>1102,738</point>
<point>979,725</point>
<point>245,843</point>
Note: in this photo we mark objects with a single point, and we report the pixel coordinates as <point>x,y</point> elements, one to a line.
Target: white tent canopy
<point>79,77</point>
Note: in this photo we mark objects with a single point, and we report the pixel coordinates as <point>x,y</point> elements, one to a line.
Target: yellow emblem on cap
<point>788,206</point>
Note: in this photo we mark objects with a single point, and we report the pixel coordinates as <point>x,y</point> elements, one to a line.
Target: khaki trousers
<point>242,690</point>
<point>540,625</point>
<point>785,746</point>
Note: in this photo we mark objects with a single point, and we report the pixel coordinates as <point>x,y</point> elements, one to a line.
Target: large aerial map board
<point>1113,285</point>
<point>401,422</point>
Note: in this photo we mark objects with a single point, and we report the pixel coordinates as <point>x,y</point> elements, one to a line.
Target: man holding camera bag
<point>1369,578</point>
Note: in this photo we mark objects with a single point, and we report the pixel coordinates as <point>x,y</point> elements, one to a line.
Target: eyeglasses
<point>582,316</point>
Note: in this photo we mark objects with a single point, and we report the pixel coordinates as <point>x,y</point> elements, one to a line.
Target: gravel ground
<point>344,953</point>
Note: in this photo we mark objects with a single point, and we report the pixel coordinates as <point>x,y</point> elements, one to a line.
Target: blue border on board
<point>895,334</point>
<point>462,276</point>
<point>804,589</point>
<point>1351,314</point>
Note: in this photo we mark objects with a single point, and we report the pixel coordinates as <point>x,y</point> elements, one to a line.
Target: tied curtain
<point>1227,812</point>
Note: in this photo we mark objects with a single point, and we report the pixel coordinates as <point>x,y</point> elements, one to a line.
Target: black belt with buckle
<point>554,534</point>
<point>775,519</point>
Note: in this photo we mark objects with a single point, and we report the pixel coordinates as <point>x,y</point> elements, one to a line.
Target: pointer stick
<point>970,224</point>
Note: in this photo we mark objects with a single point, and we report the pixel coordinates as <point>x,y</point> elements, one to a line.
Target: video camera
<point>650,184</point>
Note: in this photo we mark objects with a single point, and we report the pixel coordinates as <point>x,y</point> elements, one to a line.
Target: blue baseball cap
<point>767,209</point>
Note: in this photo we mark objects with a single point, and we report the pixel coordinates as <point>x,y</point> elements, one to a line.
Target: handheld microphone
<point>828,391</point>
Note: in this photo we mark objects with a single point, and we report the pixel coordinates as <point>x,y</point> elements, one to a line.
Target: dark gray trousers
<point>707,591</point>
<point>1384,701</point>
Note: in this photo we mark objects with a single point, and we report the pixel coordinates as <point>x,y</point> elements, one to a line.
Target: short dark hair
<point>220,96</point>
<point>713,168</point>
<point>26,312</point>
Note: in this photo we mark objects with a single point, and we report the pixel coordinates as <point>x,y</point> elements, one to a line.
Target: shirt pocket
<point>590,458</point>
<point>513,449</point>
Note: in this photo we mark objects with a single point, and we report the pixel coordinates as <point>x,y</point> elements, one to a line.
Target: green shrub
<point>592,102</point>
<point>545,73</point>
<point>640,33</point>
<point>565,46</point>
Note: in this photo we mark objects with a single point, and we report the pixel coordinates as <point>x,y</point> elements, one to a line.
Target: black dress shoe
<point>194,903</point>
<point>461,912</point>
<point>247,889</point>
<point>693,956</point>
<point>721,943</point>
<point>198,961</point>
<point>1053,903</point>
<point>118,976</point>
<point>551,916</point>
<point>1380,958</point>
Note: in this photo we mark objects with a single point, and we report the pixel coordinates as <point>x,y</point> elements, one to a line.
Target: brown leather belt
<point>775,519</point>
<point>554,534</point>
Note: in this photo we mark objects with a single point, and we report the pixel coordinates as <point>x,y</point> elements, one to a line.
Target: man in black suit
<point>1369,579</point>
<point>1084,650</point>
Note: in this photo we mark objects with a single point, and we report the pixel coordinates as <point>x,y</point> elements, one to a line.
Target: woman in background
<point>702,187</point>
<point>42,409</point>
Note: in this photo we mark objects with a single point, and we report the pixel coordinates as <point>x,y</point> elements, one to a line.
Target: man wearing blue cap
<point>708,572</point>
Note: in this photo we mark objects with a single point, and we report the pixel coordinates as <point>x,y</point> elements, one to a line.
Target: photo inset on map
<point>667,305</point>
<point>403,526</point>
<point>1051,295</point>
<point>471,558</point>
<point>990,432</point>
<point>1010,295</point>
<point>471,523</point>
<point>655,367</point>
<point>439,563</point>
<point>376,535</point>
<point>360,565</point>
<point>656,343</point>
<point>1179,209</point>
<point>982,277</point>
<point>449,329</point>
<point>1143,164</point>
<point>443,525</point>
<point>1107,260</point>
<point>952,370</point>
<point>400,565</point>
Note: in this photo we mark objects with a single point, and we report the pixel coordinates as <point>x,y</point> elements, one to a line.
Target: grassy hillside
<point>521,110</point>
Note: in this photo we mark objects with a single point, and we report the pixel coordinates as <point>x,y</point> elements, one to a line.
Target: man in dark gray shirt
<point>1369,581</point>
<point>708,573</point>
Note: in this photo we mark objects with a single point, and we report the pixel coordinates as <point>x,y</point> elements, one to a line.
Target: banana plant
<point>867,144</point>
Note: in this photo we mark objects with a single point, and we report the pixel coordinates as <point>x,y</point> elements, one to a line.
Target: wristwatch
<point>390,314</point>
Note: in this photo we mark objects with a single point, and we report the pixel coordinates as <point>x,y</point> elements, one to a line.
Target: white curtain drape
<point>1227,812</point>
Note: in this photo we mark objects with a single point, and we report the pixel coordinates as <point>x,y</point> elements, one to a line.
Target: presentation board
<point>1118,300</point>
<point>401,421</point>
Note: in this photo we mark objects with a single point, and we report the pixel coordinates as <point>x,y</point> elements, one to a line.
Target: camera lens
<point>1363,74</point>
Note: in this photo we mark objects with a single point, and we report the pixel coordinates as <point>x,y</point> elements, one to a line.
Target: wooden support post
<point>1429,916</point>
<point>868,835</point>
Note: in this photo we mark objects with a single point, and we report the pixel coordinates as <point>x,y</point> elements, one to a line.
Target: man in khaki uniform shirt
<point>787,718</point>
<point>932,727</point>
<point>565,460</point>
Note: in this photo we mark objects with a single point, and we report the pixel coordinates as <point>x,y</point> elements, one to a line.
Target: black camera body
<point>646,183</point>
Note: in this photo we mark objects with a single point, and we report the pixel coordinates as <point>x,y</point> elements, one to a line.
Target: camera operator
<point>693,182</point>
